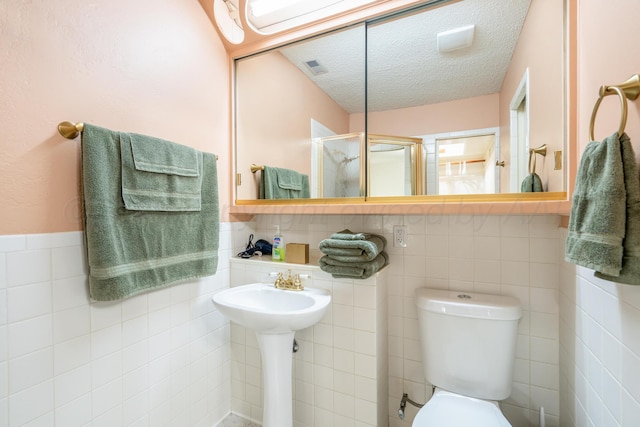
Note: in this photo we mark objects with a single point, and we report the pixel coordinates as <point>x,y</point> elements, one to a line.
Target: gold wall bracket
<point>70,130</point>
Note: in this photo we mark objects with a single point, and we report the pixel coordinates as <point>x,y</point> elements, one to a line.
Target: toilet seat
<point>446,409</point>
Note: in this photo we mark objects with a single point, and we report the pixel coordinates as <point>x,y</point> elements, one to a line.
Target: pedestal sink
<point>275,315</point>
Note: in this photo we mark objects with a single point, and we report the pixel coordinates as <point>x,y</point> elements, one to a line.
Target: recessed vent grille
<point>315,67</point>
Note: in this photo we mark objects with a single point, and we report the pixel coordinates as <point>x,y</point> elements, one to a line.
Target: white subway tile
<point>364,342</point>
<point>31,403</point>
<point>30,370</point>
<point>135,356</point>
<point>74,414</point>
<point>106,369</point>
<point>71,323</point>
<point>28,267</point>
<point>72,385</point>
<point>68,262</point>
<point>27,301</point>
<point>29,335</point>
<point>70,292</point>
<point>135,408</point>
<point>13,243</point>
<point>54,240</point>
<point>514,249</point>
<point>71,354</point>
<point>365,366</point>
<point>3,307</point>
<point>105,314</point>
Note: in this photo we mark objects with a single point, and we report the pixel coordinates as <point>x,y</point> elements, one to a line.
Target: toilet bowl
<point>468,345</point>
<point>446,409</point>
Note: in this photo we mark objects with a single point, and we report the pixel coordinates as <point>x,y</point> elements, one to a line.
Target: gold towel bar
<point>629,89</point>
<point>71,130</point>
<point>255,168</point>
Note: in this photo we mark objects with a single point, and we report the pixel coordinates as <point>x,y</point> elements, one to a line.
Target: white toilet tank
<point>468,341</point>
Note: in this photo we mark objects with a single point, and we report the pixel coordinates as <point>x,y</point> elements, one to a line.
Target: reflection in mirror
<point>507,76</point>
<point>509,83</point>
<point>339,170</point>
<point>283,102</point>
<point>394,166</point>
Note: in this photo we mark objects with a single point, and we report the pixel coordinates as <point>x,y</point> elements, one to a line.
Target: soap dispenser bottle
<point>277,251</point>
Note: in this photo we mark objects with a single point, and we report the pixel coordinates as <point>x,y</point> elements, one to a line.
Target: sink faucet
<point>289,283</point>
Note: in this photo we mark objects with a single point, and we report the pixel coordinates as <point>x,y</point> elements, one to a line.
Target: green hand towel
<point>598,211</point>
<point>130,252</point>
<point>353,250</point>
<point>278,183</point>
<point>630,271</point>
<point>159,175</point>
<point>352,270</point>
<point>350,235</point>
<point>531,184</point>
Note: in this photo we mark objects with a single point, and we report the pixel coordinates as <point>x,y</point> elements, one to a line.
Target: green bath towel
<point>353,250</point>
<point>159,175</point>
<point>130,252</point>
<point>531,184</point>
<point>630,271</point>
<point>352,270</point>
<point>350,235</point>
<point>603,225</point>
<point>278,183</point>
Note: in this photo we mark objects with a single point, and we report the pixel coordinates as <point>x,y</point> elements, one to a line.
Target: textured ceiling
<point>403,63</point>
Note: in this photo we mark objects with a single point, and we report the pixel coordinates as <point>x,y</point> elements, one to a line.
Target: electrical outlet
<point>400,236</point>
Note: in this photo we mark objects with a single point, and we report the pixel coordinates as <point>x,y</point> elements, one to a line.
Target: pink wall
<point>156,68</point>
<point>465,114</point>
<point>607,55</point>
<point>540,49</point>
<point>276,103</point>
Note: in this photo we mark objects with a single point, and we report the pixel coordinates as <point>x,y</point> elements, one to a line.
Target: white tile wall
<point>157,359</point>
<point>600,350</point>
<point>510,255</point>
<point>340,369</point>
<point>166,356</point>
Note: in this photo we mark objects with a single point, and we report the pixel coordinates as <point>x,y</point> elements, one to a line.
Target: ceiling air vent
<point>315,67</point>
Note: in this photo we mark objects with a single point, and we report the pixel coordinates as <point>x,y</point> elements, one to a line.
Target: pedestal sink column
<point>277,367</point>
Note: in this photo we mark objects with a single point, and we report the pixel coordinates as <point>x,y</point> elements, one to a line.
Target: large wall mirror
<point>448,98</point>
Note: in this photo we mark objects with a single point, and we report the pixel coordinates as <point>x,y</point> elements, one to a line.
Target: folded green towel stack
<point>278,183</point>
<point>353,255</point>
<point>352,270</point>
<point>604,224</point>
<point>132,251</point>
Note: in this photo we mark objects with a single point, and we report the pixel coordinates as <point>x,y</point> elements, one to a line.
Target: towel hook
<point>532,152</point>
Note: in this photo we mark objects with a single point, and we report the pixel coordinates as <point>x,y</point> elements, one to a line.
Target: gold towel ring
<point>604,91</point>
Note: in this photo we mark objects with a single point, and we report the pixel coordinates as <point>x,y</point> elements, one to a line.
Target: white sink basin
<point>265,309</point>
<point>275,315</point>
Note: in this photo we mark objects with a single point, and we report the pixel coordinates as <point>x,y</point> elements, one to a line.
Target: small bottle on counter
<point>277,251</point>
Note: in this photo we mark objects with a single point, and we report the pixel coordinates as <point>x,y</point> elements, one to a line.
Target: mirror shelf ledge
<point>550,203</point>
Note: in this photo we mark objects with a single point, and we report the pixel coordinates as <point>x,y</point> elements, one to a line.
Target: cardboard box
<point>297,253</point>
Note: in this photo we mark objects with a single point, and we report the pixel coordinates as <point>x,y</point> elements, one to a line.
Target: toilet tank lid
<point>468,304</point>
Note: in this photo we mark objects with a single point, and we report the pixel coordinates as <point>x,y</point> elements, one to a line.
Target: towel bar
<point>629,89</point>
<point>72,130</point>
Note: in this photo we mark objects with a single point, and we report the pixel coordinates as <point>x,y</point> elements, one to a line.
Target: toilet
<point>468,343</point>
